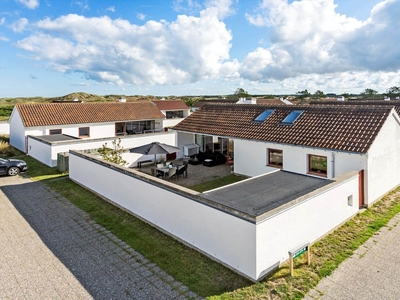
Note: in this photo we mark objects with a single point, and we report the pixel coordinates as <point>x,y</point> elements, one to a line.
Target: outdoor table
<point>163,171</point>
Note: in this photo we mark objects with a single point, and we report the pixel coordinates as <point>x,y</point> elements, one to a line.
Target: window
<point>292,117</point>
<point>264,115</point>
<point>174,114</point>
<point>317,165</point>
<point>275,158</point>
<point>54,131</point>
<point>84,132</point>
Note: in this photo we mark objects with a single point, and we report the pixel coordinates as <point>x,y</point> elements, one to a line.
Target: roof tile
<point>346,128</point>
<point>46,114</point>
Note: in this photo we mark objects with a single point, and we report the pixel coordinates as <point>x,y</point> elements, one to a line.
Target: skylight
<point>264,115</point>
<point>292,117</point>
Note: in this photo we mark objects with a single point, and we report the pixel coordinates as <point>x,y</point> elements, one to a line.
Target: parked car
<point>12,166</point>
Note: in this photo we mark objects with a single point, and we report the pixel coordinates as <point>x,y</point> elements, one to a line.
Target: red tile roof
<point>46,114</point>
<point>341,128</point>
<point>170,104</point>
<point>371,103</point>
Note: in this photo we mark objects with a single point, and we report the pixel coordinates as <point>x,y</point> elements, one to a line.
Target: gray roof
<point>56,138</point>
<point>259,195</point>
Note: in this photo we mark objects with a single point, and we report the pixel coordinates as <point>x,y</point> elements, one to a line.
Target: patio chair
<point>185,171</point>
<point>172,172</point>
<point>180,171</point>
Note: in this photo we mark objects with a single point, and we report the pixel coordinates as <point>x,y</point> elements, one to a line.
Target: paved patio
<point>196,173</point>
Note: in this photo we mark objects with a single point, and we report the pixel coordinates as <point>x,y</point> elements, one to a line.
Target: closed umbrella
<point>155,148</point>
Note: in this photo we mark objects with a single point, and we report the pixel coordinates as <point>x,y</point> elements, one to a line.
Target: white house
<point>173,110</point>
<point>310,169</point>
<point>82,120</point>
<point>319,141</point>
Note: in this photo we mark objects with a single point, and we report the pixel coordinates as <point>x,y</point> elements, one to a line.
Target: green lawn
<point>206,277</point>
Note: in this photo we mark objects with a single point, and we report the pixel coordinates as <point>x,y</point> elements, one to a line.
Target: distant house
<point>199,104</point>
<point>173,110</point>
<point>82,120</point>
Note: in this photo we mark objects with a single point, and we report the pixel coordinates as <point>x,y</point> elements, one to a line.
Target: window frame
<point>315,172</point>
<point>286,120</point>
<point>264,115</point>
<point>84,135</point>
<point>174,114</point>
<point>52,131</point>
<point>272,164</point>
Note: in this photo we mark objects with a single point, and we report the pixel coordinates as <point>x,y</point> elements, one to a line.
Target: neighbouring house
<point>82,120</point>
<point>318,141</point>
<point>173,110</point>
<point>199,104</point>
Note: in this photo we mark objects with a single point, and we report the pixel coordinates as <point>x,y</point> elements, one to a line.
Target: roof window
<point>292,117</point>
<point>264,115</point>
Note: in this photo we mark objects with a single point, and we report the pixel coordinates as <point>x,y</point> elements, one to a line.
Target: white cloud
<point>82,4</point>
<point>111,8</point>
<point>20,25</point>
<point>2,21</point>
<point>140,16</point>
<point>31,4</point>
<point>186,50</point>
<point>3,38</point>
<point>309,37</point>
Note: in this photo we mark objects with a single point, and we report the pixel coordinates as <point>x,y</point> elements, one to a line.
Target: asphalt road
<point>52,250</point>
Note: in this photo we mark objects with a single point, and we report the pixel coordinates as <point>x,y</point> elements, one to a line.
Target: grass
<point>209,185</point>
<point>206,277</point>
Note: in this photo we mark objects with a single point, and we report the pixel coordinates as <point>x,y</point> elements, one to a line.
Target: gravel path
<point>51,250</point>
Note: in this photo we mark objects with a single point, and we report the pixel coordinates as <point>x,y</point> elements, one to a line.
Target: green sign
<point>299,252</point>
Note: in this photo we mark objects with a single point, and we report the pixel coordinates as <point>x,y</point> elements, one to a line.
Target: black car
<point>12,167</point>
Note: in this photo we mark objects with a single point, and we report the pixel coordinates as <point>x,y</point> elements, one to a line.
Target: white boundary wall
<point>46,152</point>
<point>251,249</point>
<point>188,220</point>
<point>4,128</point>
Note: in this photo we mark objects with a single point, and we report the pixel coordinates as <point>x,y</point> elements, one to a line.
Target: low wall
<point>175,210</point>
<point>4,128</point>
<point>46,152</point>
<point>249,248</point>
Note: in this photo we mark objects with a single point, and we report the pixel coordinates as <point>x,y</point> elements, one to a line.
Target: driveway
<point>51,250</point>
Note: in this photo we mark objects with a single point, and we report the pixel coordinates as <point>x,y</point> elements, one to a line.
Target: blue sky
<point>188,47</point>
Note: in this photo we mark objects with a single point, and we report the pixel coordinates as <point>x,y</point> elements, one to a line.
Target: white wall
<point>226,238</point>
<point>171,122</point>
<point>251,159</point>
<point>249,248</point>
<point>17,131</point>
<point>47,152</point>
<point>384,160</point>
<point>4,128</point>
<point>307,221</point>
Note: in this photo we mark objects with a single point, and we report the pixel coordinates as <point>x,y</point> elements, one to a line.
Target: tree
<point>319,94</point>
<point>113,154</point>
<point>239,93</point>
<point>369,93</point>
<point>393,91</point>
<point>303,94</point>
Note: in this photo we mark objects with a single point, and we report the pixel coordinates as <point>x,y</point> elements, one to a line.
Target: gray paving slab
<point>52,250</point>
<point>372,272</point>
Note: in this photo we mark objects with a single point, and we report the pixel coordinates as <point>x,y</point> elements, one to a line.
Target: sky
<point>52,48</point>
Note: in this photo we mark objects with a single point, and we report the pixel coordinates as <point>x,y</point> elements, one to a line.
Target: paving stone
<point>52,250</point>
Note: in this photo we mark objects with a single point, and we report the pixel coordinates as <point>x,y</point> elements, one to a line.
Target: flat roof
<point>56,138</point>
<point>265,193</point>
